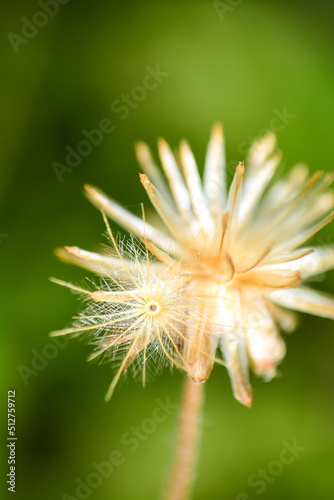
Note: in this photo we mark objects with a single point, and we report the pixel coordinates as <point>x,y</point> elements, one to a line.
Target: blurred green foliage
<point>243,67</point>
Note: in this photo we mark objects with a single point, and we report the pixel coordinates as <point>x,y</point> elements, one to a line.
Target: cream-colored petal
<point>264,281</point>
<point>200,349</point>
<point>286,320</point>
<point>118,297</point>
<point>303,236</point>
<point>159,254</point>
<point>260,151</point>
<point>316,261</point>
<point>255,184</point>
<point>169,217</point>
<point>228,327</point>
<point>285,189</point>
<point>245,262</point>
<point>305,300</point>
<point>94,262</point>
<point>176,182</point>
<point>147,163</point>
<point>215,172</point>
<point>266,349</point>
<point>131,222</point>
<point>285,258</point>
<point>193,180</point>
<point>277,224</point>
<point>232,205</point>
<point>235,356</point>
<point>310,208</point>
<point>264,345</point>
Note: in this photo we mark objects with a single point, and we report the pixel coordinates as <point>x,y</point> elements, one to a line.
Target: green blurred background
<point>253,61</point>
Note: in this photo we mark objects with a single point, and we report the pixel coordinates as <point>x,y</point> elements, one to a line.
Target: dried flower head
<point>137,316</point>
<point>236,254</point>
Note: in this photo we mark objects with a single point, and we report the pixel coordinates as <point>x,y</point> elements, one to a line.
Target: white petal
<point>194,184</point>
<point>306,300</point>
<point>147,163</point>
<point>260,151</point>
<point>279,261</point>
<point>287,320</point>
<point>265,347</point>
<point>233,345</point>
<point>131,222</point>
<point>263,280</point>
<point>303,236</point>
<point>285,189</point>
<point>287,218</point>
<point>317,261</point>
<point>214,172</point>
<point>95,262</point>
<point>255,184</point>
<point>246,261</point>
<point>175,180</point>
<point>306,209</point>
<point>118,297</point>
<point>170,218</point>
<point>232,205</point>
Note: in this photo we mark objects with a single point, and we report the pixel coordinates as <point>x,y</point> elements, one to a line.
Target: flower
<point>237,250</point>
<point>137,314</point>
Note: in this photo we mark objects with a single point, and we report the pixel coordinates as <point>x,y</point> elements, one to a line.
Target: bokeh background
<point>240,62</point>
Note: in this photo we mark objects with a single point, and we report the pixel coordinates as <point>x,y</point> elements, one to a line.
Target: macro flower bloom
<point>136,316</point>
<point>223,268</point>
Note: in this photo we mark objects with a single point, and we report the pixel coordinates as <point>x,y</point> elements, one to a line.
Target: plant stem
<point>182,477</point>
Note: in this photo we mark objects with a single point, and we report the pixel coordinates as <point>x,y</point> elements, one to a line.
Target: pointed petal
<point>118,297</point>
<point>313,262</point>
<point>235,356</point>
<point>169,217</point>
<point>147,163</point>
<point>175,180</point>
<point>214,172</point>
<point>282,223</point>
<point>306,300</point>
<point>286,258</point>
<point>129,221</point>
<point>260,151</point>
<point>306,209</point>
<point>287,320</point>
<point>198,200</point>
<point>95,262</point>
<point>319,261</point>
<point>266,349</point>
<point>305,235</point>
<point>199,351</point>
<point>233,203</point>
<point>264,345</point>
<point>285,189</point>
<point>265,281</point>
<point>72,287</point>
<point>159,254</point>
<point>252,260</point>
<point>232,342</point>
<point>255,184</point>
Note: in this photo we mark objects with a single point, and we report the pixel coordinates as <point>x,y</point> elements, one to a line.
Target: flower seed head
<point>222,268</point>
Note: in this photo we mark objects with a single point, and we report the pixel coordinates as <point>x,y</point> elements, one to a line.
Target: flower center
<point>152,307</point>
